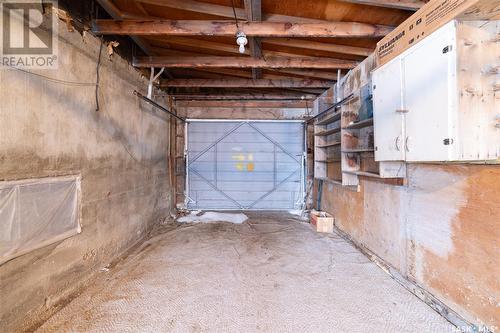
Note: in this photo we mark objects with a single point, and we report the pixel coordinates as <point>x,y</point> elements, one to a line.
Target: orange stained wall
<point>441,230</point>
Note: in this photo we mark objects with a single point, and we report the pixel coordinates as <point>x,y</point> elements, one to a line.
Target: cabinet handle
<point>402,110</point>
<point>407,147</point>
<point>398,147</point>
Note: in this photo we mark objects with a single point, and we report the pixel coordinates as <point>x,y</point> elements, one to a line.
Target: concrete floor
<point>272,273</point>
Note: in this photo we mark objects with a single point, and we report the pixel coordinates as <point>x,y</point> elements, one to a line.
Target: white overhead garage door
<point>245,164</point>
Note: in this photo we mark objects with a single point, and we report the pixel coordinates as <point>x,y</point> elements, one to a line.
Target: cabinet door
<point>387,118</point>
<point>428,88</point>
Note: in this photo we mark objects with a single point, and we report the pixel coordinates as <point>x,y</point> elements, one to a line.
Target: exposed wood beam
<point>228,28</point>
<point>226,11</point>
<point>270,74</point>
<point>216,46</point>
<point>308,73</point>
<point>115,13</point>
<point>319,46</point>
<point>276,74</point>
<point>244,104</point>
<point>242,62</point>
<point>412,5</point>
<point>243,83</point>
<point>254,13</point>
<point>303,44</point>
<point>237,97</point>
<point>198,44</point>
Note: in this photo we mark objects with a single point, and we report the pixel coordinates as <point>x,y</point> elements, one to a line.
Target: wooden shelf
<point>360,124</point>
<point>329,160</point>
<point>328,120</point>
<point>362,173</point>
<point>333,181</point>
<point>328,132</point>
<point>358,150</point>
<point>336,143</point>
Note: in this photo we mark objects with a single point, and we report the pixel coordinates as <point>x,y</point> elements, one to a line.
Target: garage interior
<point>250,165</point>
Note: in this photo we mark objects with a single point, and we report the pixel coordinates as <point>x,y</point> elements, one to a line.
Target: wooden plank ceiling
<point>295,47</point>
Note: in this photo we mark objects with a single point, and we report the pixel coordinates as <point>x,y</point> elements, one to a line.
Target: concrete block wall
<point>120,152</point>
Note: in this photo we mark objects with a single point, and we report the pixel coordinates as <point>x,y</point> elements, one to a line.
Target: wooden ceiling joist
<point>254,13</point>
<point>174,41</point>
<point>226,11</point>
<point>308,73</point>
<point>245,83</point>
<point>228,28</point>
<point>117,14</point>
<point>412,5</point>
<point>271,74</point>
<point>288,42</point>
<point>241,96</point>
<point>319,46</point>
<point>242,62</point>
<point>243,104</point>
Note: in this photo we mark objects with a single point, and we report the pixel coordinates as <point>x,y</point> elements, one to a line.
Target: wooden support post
<point>228,28</point>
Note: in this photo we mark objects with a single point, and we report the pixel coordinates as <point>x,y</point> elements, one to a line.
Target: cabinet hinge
<point>447,141</point>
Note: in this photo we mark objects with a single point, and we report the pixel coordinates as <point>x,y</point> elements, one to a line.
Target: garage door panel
<point>248,196</point>
<point>227,186</point>
<point>249,165</point>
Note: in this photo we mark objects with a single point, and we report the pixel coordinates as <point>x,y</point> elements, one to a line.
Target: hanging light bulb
<point>241,40</point>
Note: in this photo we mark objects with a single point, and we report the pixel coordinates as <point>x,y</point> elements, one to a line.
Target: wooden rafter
<point>227,28</point>
<point>230,48</point>
<point>115,13</point>
<point>226,11</point>
<point>199,44</point>
<point>241,96</point>
<point>242,62</point>
<point>254,13</point>
<point>244,104</point>
<point>412,5</point>
<point>308,73</point>
<point>319,46</point>
<point>274,74</point>
<point>245,83</point>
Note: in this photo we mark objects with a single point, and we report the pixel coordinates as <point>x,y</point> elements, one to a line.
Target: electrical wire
<point>54,80</point>
<point>97,79</point>
<point>235,16</point>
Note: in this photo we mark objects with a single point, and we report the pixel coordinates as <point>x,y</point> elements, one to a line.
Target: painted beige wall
<point>49,129</point>
<point>441,230</point>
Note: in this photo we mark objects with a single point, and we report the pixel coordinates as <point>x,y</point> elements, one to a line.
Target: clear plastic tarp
<point>37,212</point>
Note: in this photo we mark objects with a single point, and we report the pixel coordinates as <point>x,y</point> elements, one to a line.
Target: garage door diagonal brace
<point>274,189</point>
<point>275,143</point>
<point>216,188</point>
<point>216,142</point>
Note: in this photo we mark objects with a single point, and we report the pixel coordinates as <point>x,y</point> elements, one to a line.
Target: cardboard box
<point>429,18</point>
<point>322,221</point>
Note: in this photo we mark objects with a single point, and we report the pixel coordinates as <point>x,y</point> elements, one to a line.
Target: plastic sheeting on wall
<point>37,212</point>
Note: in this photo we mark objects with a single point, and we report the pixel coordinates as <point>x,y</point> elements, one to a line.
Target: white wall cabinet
<point>436,101</point>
